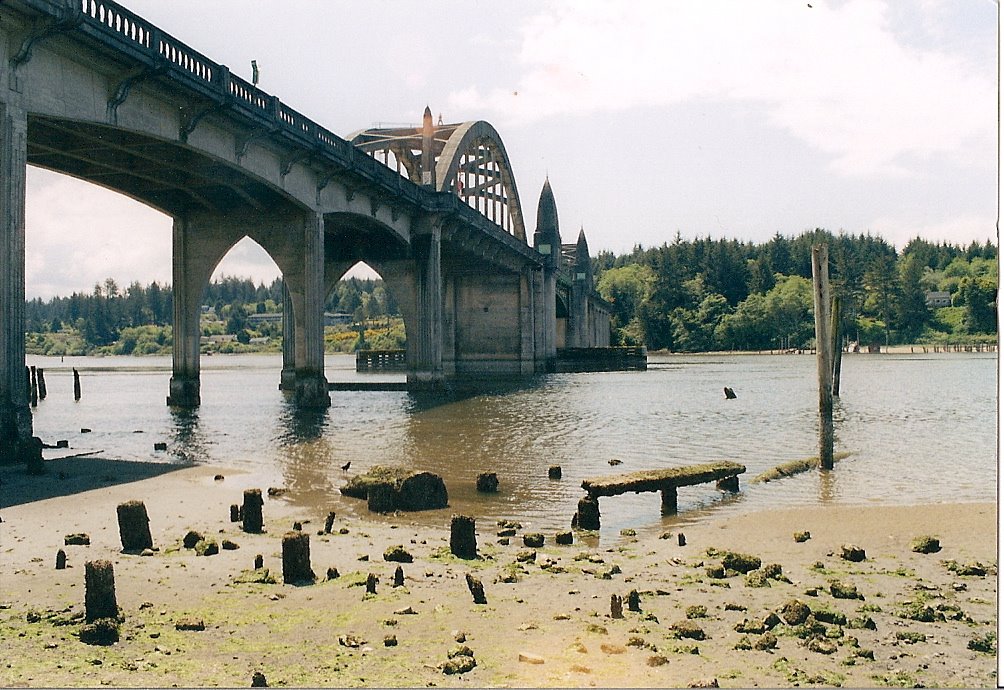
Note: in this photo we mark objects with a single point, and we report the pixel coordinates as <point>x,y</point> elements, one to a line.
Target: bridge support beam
<point>185,388</point>
<point>310,385</point>
<point>15,415</point>
<point>426,368</point>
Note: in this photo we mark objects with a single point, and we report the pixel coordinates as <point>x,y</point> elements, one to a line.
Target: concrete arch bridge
<point>91,90</point>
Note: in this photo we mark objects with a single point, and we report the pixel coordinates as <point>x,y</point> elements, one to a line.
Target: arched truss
<point>467,159</point>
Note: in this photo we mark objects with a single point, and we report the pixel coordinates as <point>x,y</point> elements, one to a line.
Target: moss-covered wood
<point>657,480</point>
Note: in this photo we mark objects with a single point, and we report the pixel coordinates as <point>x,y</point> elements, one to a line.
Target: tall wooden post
<point>838,349</point>
<point>824,362</point>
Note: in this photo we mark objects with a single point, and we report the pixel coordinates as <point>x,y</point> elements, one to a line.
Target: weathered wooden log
<point>463,540</point>
<point>134,526</point>
<point>296,558</point>
<point>655,480</point>
<point>329,522</point>
<point>41,384</point>
<point>588,513</point>
<point>76,385</point>
<point>477,589</point>
<point>99,591</point>
<point>251,512</point>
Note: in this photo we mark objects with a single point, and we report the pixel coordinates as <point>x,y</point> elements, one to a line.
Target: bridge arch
<point>468,159</point>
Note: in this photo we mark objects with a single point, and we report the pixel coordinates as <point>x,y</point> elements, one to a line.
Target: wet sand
<point>550,626</point>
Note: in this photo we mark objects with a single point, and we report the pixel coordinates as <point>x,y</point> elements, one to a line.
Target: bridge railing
<point>112,25</point>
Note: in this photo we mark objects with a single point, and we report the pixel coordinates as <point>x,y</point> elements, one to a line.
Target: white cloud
<point>833,75</point>
<point>77,235</point>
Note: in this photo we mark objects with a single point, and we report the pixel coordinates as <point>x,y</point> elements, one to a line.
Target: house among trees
<point>937,299</point>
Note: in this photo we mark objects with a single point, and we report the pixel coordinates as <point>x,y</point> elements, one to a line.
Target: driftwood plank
<point>657,480</point>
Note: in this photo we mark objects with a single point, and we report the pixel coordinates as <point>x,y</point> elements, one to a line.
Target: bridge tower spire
<point>547,238</point>
<point>428,156</point>
<point>547,242</point>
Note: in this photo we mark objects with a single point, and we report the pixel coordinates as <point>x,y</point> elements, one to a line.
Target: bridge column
<point>287,379</point>
<point>311,386</point>
<point>426,370</point>
<point>15,415</point>
<point>187,284</point>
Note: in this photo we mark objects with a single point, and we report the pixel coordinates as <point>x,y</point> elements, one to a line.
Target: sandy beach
<point>914,619</point>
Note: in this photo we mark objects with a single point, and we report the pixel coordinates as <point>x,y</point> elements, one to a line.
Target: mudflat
<point>807,615</point>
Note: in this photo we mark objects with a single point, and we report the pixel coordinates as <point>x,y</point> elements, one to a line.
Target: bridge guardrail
<point>111,24</point>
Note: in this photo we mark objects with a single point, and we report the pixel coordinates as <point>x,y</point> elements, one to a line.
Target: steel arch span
<point>467,159</point>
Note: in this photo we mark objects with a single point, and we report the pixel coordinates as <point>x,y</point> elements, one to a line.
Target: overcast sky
<point>734,119</point>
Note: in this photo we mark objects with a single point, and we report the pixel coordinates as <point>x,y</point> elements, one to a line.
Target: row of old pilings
<point>35,379</point>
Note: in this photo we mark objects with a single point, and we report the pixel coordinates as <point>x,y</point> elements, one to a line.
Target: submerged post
<point>824,361</point>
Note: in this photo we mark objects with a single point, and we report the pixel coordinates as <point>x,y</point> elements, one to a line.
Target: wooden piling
<point>837,350</point>
<point>33,387</point>
<point>99,591</point>
<point>76,385</point>
<point>463,539</point>
<point>669,501</point>
<point>588,514</point>
<point>41,384</point>
<point>296,558</point>
<point>251,511</point>
<point>824,361</point>
<point>134,526</point>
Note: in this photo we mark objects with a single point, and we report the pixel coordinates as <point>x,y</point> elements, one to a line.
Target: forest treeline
<point>704,294</point>
<point>688,296</point>
<point>137,319</point>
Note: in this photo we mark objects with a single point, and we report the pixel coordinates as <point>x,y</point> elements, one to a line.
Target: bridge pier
<point>15,414</point>
<point>187,284</point>
<point>287,379</point>
<point>311,387</point>
<point>425,371</point>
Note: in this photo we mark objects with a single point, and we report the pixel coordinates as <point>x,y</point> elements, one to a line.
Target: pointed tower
<point>577,331</point>
<point>428,158</point>
<point>547,239</point>
<point>583,264</point>
<point>547,242</point>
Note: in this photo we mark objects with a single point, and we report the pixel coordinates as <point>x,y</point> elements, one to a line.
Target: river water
<point>921,428</point>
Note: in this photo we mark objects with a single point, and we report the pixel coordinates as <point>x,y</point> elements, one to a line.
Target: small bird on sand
<point>345,467</point>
